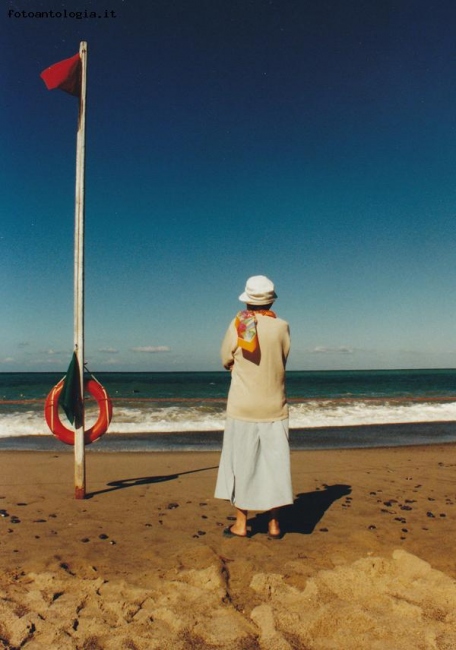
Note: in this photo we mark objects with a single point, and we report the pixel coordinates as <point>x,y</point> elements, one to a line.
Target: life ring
<point>51,413</point>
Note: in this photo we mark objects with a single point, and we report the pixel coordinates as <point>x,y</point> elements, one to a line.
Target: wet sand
<point>366,561</point>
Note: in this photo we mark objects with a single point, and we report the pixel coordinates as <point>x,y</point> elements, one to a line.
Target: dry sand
<point>367,561</point>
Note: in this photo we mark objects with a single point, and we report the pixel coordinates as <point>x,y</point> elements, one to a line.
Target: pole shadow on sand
<point>121,484</point>
<point>305,513</point>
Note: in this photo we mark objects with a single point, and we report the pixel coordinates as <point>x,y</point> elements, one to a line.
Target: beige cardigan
<point>257,391</point>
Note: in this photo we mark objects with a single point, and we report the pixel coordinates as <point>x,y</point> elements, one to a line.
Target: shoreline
<point>373,436</point>
<point>367,555</point>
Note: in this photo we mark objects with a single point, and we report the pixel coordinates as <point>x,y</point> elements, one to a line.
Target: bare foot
<point>234,531</point>
<point>273,525</point>
<point>274,528</point>
<point>239,528</point>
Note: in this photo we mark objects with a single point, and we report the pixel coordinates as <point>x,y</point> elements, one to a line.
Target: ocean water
<point>186,410</point>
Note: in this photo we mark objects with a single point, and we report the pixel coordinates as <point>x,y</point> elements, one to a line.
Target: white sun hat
<point>259,290</point>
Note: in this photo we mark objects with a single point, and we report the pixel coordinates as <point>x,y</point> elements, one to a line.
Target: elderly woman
<point>254,471</point>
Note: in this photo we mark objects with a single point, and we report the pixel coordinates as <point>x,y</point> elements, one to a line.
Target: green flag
<point>70,398</point>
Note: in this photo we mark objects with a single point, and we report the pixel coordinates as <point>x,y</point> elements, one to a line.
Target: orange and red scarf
<point>246,326</point>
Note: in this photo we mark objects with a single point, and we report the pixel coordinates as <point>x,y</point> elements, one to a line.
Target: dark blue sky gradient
<point>311,141</point>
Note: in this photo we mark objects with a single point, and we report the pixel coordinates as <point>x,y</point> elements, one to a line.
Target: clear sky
<point>312,141</point>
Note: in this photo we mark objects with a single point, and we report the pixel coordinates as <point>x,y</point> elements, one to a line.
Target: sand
<point>367,560</point>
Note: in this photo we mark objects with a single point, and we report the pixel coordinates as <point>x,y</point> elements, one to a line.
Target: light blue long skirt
<point>254,471</point>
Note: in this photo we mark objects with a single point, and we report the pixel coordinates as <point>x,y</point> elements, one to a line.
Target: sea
<point>185,411</point>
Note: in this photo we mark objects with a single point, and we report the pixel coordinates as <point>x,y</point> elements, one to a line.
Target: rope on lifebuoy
<point>51,413</point>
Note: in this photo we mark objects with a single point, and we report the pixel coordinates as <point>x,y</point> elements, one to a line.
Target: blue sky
<point>312,141</point>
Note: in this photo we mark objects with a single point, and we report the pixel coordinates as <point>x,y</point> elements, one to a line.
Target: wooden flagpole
<point>79,447</point>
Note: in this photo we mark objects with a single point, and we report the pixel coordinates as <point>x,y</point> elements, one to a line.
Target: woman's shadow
<point>305,513</point>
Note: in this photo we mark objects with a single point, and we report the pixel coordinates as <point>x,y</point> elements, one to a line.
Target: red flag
<point>65,75</point>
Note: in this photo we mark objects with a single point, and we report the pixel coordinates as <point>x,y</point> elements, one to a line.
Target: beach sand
<point>367,560</point>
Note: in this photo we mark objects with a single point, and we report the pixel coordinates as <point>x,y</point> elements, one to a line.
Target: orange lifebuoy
<point>51,413</point>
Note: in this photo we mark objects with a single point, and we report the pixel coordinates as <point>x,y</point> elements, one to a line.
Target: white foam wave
<point>333,414</point>
<point>310,414</point>
<point>166,420</point>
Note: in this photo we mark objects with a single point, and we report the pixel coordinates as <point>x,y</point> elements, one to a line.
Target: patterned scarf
<point>246,326</point>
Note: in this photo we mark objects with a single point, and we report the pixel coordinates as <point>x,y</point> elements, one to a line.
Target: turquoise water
<point>322,385</point>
